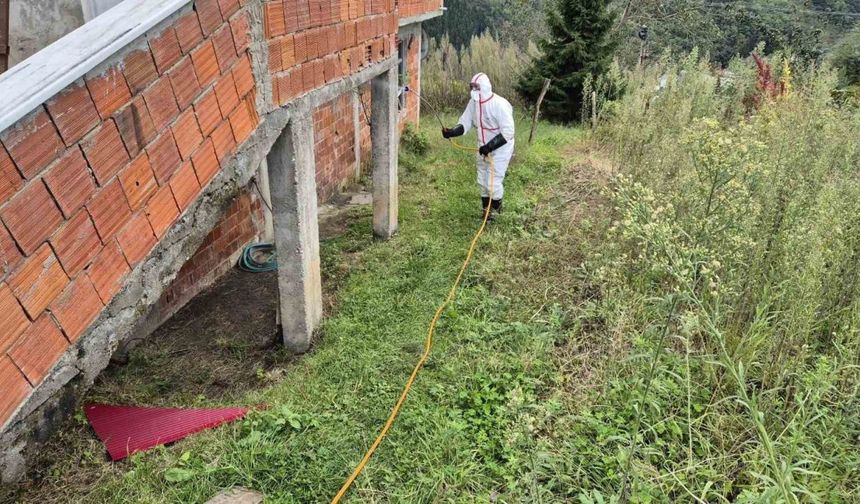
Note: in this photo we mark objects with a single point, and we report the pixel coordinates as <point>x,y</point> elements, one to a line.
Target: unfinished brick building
<point>134,153</point>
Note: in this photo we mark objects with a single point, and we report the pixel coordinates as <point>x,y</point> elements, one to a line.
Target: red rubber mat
<point>129,429</point>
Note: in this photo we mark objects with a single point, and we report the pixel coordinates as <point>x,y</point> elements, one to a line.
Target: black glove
<point>496,142</point>
<point>453,132</point>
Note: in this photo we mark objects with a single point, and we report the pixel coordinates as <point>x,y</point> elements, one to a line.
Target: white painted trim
<point>33,81</point>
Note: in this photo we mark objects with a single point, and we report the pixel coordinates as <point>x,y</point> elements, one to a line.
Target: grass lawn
<point>473,425</point>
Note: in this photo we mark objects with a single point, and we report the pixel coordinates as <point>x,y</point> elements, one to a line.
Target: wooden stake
<point>594,110</point>
<point>537,109</point>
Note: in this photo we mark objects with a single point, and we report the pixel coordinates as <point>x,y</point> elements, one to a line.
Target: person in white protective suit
<point>493,119</point>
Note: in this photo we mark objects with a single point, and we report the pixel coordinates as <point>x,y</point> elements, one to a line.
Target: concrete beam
<point>292,182</point>
<point>420,18</point>
<point>384,134</point>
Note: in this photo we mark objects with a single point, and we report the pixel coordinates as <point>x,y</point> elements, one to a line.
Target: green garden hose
<point>250,263</point>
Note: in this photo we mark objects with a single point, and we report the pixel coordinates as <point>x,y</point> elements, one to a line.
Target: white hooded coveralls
<point>490,114</point>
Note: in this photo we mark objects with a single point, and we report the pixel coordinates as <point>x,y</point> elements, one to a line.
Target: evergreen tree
<point>579,44</point>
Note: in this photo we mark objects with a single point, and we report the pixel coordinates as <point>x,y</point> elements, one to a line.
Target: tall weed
<point>745,223</point>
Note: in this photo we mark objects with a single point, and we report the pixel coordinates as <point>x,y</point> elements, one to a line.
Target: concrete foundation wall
<point>34,24</point>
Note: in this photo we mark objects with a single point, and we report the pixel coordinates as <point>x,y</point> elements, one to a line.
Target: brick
<point>188,32</point>
<point>161,104</point>
<point>109,210</point>
<point>288,52</point>
<point>13,321</point>
<point>225,91</point>
<point>39,281</point>
<point>225,50</point>
<point>185,186</point>
<point>307,71</point>
<point>162,211</point>
<point>243,120</point>
<point>165,49</point>
<point>228,7</point>
<point>274,19</point>
<point>70,181</point>
<point>14,386</point>
<point>105,152</point>
<point>76,243</point>
<point>187,134</point>
<point>209,14</point>
<point>205,64</point>
<point>32,216</point>
<point>184,83</point>
<point>275,58</point>
<point>136,239</point>
<point>108,270</point>
<point>33,143</point>
<point>319,73</point>
<point>223,140</point>
<point>208,112</point>
<point>135,126</point>
<point>163,157</point>
<point>77,307</point>
<point>281,89</point>
<point>138,182</point>
<point>205,162</point>
<point>109,91</point>
<point>10,179</point>
<point>139,70</point>
<point>10,256</point>
<point>39,349</point>
<point>73,112</point>
<point>241,28</point>
<point>291,18</point>
<point>243,76</point>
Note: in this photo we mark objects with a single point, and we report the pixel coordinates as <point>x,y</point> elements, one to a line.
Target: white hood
<point>483,82</point>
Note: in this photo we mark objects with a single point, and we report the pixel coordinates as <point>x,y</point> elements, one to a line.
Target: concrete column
<point>385,139</point>
<point>356,123</point>
<point>266,196</point>
<point>292,181</point>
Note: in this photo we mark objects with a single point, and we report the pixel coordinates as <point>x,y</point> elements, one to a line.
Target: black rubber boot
<point>485,202</point>
<point>495,210</point>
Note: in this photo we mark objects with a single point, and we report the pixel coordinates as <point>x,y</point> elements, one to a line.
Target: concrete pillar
<point>356,123</point>
<point>385,139</point>
<point>292,182</point>
<point>266,196</point>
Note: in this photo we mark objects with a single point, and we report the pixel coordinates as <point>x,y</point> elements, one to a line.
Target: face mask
<point>476,95</point>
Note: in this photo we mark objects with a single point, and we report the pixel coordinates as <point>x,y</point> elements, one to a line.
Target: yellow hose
<point>428,343</point>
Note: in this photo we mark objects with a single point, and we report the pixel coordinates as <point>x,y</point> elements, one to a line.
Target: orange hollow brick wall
<point>92,179</point>
<point>334,138</point>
